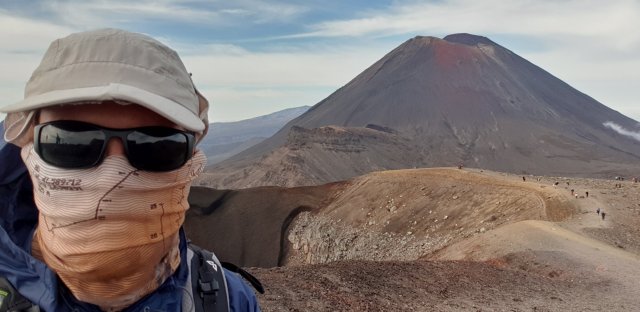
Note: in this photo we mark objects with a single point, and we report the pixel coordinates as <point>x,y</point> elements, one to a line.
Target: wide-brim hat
<point>111,65</point>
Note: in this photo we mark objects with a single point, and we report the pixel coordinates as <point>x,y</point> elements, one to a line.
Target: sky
<point>251,57</point>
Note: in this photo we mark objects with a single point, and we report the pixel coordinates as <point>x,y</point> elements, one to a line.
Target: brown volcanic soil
<point>304,159</point>
<point>443,240</point>
<point>432,286</point>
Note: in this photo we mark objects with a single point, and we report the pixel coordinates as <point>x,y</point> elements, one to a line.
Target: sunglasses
<point>76,145</point>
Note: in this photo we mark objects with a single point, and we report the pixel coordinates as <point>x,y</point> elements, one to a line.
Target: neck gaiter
<point>110,232</point>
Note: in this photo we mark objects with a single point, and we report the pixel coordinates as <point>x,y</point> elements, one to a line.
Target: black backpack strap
<point>210,292</point>
<point>246,275</point>
<point>12,301</point>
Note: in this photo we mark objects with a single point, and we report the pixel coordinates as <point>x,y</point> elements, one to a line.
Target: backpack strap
<point>12,301</point>
<point>210,293</point>
<point>248,276</point>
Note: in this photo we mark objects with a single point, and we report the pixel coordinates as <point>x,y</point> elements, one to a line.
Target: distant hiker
<point>598,211</point>
<point>127,118</point>
<point>571,191</point>
<point>602,214</point>
<point>524,179</point>
<point>587,194</point>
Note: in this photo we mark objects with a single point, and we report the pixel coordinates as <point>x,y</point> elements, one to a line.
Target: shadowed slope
<point>246,227</point>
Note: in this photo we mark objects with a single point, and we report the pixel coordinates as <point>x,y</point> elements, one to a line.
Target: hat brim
<point>164,107</point>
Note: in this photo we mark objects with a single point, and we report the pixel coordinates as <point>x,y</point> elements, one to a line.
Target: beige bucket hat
<point>109,65</point>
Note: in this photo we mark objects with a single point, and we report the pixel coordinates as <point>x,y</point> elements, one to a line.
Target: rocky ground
<point>462,240</point>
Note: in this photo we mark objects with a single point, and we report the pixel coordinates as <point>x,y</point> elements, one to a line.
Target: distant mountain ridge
<point>461,99</point>
<point>226,139</point>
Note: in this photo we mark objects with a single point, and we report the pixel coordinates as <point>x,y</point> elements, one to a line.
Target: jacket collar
<point>11,165</point>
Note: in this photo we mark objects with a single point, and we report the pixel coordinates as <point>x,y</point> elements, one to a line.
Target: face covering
<point>110,232</point>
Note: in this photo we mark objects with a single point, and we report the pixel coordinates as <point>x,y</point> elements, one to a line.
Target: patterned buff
<point>110,232</point>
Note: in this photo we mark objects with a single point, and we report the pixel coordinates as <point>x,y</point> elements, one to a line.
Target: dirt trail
<point>587,216</point>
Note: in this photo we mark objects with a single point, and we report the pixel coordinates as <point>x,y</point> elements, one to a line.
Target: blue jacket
<point>35,281</point>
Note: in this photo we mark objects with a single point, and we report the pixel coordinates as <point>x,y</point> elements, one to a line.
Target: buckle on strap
<point>208,288</point>
<point>207,283</point>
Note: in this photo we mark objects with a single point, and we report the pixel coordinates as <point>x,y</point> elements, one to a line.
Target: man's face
<point>109,115</point>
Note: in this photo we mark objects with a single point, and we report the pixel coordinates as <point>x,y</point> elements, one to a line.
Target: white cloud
<point>23,35</point>
<point>617,128</point>
<point>521,17</point>
<point>236,67</point>
<point>96,14</point>
<point>268,11</point>
<point>102,13</point>
<point>205,49</point>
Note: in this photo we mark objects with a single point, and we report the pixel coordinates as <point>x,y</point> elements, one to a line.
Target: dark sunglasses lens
<point>158,149</point>
<point>70,145</point>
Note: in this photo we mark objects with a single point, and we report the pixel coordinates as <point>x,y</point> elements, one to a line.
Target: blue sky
<point>253,57</point>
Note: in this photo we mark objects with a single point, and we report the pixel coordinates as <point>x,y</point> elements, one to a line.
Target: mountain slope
<point>461,99</point>
<point>431,240</point>
<point>226,139</point>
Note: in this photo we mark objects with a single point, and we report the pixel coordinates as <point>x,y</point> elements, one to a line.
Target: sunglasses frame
<point>109,134</point>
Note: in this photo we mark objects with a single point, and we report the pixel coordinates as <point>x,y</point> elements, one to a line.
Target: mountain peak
<point>419,41</point>
<point>424,38</point>
<point>468,39</point>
